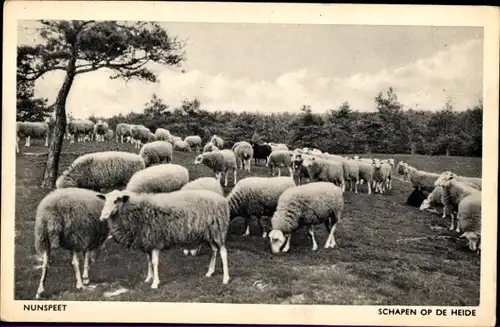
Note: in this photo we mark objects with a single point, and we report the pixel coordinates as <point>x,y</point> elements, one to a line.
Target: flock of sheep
<point>152,205</point>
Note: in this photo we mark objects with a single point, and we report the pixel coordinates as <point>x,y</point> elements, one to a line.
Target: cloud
<point>455,72</point>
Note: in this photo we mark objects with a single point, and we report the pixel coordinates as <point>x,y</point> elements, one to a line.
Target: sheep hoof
<point>154,285</point>
<point>452,228</point>
<point>209,274</point>
<point>194,252</point>
<point>225,280</point>
<point>457,230</point>
<point>186,251</point>
<point>264,235</point>
<point>315,248</point>
<point>38,295</point>
<point>80,286</point>
<point>86,281</point>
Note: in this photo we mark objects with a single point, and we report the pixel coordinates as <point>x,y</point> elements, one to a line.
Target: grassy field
<point>373,263</point>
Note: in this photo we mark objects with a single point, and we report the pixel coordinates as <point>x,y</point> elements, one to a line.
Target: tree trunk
<point>52,165</point>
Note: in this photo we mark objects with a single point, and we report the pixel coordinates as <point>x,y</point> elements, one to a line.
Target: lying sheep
<point>181,145</point>
<point>122,130</point>
<point>154,222</point>
<point>220,161</point>
<point>420,179</point>
<point>69,219</point>
<point>381,173</point>
<point>194,141</point>
<point>306,205</point>
<point>257,197</point>
<point>469,220</point>
<point>244,154</point>
<point>162,178</point>
<point>162,134</point>
<point>39,130</point>
<point>433,200</point>
<point>202,183</point>
<point>209,147</point>
<point>322,170</point>
<point>278,159</point>
<point>454,191</point>
<point>100,130</point>
<point>156,152</point>
<point>217,141</point>
<point>101,170</point>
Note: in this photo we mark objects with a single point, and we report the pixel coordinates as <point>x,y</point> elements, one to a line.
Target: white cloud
<point>455,72</point>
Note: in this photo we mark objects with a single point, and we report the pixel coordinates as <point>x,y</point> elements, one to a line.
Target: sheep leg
<point>369,187</point>
<point>311,233</point>
<point>195,251</point>
<point>86,268</point>
<point>247,231</point>
<point>225,177</point>
<point>290,170</point>
<point>264,233</point>
<point>150,268</point>
<point>444,212</point>
<point>330,242</point>
<point>356,187</point>
<point>28,141</point>
<point>47,139</point>
<point>225,267</point>
<point>287,245</point>
<point>155,258</point>
<point>249,163</point>
<point>235,177</point>
<point>17,145</point>
<point>45,264</point>
<point>211,265</point>
<point>279,171</point>
<point>76,266</point>
<point>453,221</point>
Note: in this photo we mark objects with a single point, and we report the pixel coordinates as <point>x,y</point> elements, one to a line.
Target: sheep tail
<point>47,235</point>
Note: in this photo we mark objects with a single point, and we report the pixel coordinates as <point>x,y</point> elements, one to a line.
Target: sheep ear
<point>101,196</point>
<point>125,198</point>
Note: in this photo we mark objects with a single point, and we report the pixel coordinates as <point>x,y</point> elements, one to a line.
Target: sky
<point>280,67</point>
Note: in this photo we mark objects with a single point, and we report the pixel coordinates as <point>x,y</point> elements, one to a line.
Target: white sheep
<point>401,170</point>
<point>472,181</point>
<point>110,135</point>
<point>469,220</point>
<point>220,161</point>
<point>69,219</point>
<point>306,205</point>
<point>421,180</point>
<point>78,129</point>
<point>454,191</point>
<point>100,130</point>
<point>156,152</point>
<point>162,134</point>
<point>181,145</point>
<point>138,133</point>
<point>217,141</point>
<point>194,141</point>
<point>433,200</point>
<point>300,172</point>
<point>101,170</point>
<point>351,172</point>
<point>33,129</point>
<point>209,147</point>
<point>173,139</point>
<point>154,222</point>
<point>244,154</point>
<point>366,173</point>
<point>278,146</point>
<point>381,173</point>
<point>123,130</point>
<point>257,197</point>
<point>162,178</point>
<point>323,170</point>
<point>278,159</point>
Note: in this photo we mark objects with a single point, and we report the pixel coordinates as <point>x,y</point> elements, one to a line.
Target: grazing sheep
<point>101,170</point>
<point>203,183</point>
<point>145,136</point>
<point>365,173</point>
<point>244,154</point>
<point>220,161</point>
<point>381,173</point>
<point>306,205</point>
<point>257,197</point>
<point>469,220</point>
<point>154,222</point>
<point>78,129</point>
<point>162,178</point>
<point>323,170</point>
<point>420,179</point>
<point>33,129</point>
<point>69,219</point>
<point>217,141</point>
<point>110,135</point>
<point>209,147</point>
<point>100,130</point>
<point>137,133</point>
<point>454,191</point>
<point>278,146</point>
<point>156,152</point>
<point>181,145</point>
<point>173,139</point>
<point>194,141</point>
<point>261,151</point>
<point>123,130</point>
<point>162,134</point>
<point>433,200</point>
<point>280,158</point>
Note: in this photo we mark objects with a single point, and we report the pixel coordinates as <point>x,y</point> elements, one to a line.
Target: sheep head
<point>277,240</point>
<point>113,204</point>
<point>199,159</point>
<point>445,179</point>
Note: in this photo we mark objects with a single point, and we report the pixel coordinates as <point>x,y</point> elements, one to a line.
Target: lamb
<point>203,183</point>
<point>454,191</point>
<point>100,130</point>
<point>306,205</point>
<point>162,134</point>
<point>109,136</point>
<point>138,132</point>
<point>220,161</point>
<point>244,154</point>
<point>173,139</point>
<point>79,129</point>
<point>181,145</point>
<point>469,220</point>
<point>101,170</point>
<point>194,141</point>
<point>217,141</point>
<point>154,222</point>
<point>261,151</point>
<point>323,170</point>
<point>365,173</point>
<point>33,129</point>
<point>69,219</point>
<point>162,178</point>
<point>280,158</point>
<point>156,152</point>
<point>401,170</point>
<point>122,130</point>
<point>257,197</point>
<point>381,173</point>
<point>434,199</point>
<point>209,147</point>
<point>420,179</point>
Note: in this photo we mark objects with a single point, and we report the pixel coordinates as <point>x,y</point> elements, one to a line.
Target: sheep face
<point>473,239</point>
<point>377,164</point>
<point>277,240</point>
<point>113,204</point>
<point>445,179</point>
<point>425,205</point>
<point>199,159</point>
